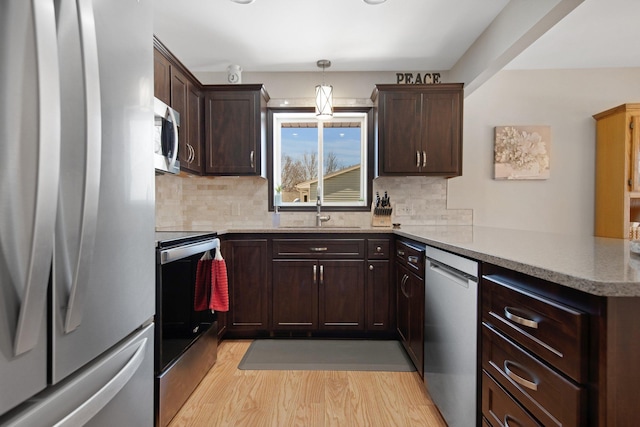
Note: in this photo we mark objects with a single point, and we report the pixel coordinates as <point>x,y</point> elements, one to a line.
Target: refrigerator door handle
<point>90,407</point>
<point>36,276</point>
<point>91,188</point>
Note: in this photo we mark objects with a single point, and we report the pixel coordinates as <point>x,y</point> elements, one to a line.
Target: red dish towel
<point>220,284</point>
<point>202,294</point>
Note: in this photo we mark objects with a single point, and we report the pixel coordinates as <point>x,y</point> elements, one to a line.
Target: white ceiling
<point>399,35</point>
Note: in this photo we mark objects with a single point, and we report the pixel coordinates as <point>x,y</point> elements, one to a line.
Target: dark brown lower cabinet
<point>378,295</point>
<point>248,286</point>
<point>410,314</point>
<point>318,294</point>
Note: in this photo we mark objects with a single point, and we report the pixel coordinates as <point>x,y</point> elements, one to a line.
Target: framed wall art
<point>522,152</point>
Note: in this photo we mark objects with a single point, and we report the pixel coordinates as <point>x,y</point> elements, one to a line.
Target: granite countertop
<point>595,265</point>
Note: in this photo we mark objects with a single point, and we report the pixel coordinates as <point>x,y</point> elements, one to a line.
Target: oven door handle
<point>180,252</point>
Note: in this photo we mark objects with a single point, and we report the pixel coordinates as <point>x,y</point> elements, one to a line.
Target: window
<point>314,158</point>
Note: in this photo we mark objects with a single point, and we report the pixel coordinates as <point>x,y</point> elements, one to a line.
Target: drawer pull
<point>412,258</point>
<point>321,249</point>
<point>517,378</point>
<point>400,252</point>
<point>315,274</point>
<point>513,422</point>
<point>378,249</point>
<point>519,320</point>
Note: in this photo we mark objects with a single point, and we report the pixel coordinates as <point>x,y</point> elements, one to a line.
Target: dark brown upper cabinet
<point>235,130</point>
<point>177,87</point>
<point>419,129</point>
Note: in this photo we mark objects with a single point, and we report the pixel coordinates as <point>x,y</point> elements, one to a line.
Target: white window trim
<point>362,117</point>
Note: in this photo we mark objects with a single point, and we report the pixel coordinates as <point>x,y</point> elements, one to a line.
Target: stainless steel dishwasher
<point>450,335</point>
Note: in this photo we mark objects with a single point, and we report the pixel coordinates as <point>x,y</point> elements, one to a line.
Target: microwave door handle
<point>47,117</point>
<point>91,188</point>
<point>174,153</point>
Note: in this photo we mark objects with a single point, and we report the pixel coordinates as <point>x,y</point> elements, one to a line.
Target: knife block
<point>381,217</point>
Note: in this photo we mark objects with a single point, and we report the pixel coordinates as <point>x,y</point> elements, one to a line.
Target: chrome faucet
<point>319,218</point>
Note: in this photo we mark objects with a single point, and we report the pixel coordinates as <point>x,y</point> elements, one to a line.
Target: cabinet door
<point>232,133</point>
<point>441,143</point>
<point>402,301</point>
<point>295,294</point>
<point>191,156</point>
<point>161,77</point>
<point>341,292</point>
<point>378,296</point>
<point>400,132</point>
<point>179,90</point>
<point>416,321</point>
<point>248,292</point>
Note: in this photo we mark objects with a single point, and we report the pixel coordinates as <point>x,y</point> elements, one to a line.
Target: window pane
<point>299,161</point>
<point>341,161</point>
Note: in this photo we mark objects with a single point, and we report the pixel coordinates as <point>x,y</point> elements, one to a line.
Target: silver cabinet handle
<point>424,159</point>
<point>412,258</point>
<point>378,249</point>
<point>46,116</point>
<point>322,274</point>
<point>417,159</point>
<point>315,274</point>
<point>319,249</point>
<point>400,252</point>
<point>93,160</point>
<point>402,285</point>
<point>251,156</point>
<point>518,319</point>
<point>370,267</point>
<point>517,378</point>
<point>508,418</point>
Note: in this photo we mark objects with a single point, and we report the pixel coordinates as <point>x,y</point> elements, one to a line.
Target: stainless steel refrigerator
<point>76,213</point>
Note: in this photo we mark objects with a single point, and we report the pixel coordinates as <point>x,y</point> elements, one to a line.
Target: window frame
<point>369,141</point>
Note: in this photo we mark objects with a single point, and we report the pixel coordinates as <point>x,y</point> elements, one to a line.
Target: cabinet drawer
<point>318,248</point>
<point>500,409</point>
<point>412,256</point>
<point>550,397</point>
<point>555,332</point>
<point>378,249</point>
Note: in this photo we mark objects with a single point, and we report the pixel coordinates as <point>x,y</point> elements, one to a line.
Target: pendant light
<point>324,95</point>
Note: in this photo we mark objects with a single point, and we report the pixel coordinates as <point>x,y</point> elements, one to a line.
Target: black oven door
<point>178,324</point>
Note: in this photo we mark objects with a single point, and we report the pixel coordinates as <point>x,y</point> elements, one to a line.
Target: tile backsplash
<point>216,203</point>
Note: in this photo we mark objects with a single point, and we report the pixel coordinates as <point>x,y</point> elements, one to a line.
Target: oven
<point>186,339</point>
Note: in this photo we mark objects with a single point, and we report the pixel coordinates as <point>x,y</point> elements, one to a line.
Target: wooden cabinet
<point>535,356</point>
<point>379,298</point>
<point>191,146</point>
<point>235,131</point>
<point>248,285</point>
<point>176,87</point>
<point>318,284</point>
<point>617,198</point>
<point>409,285</point>
<point>419,129</point>
<point>161,77</point>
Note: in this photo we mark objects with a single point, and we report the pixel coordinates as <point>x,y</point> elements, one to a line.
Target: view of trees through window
<point>299,144</point>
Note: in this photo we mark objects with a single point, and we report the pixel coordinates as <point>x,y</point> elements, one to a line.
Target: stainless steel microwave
<point>166,133</point>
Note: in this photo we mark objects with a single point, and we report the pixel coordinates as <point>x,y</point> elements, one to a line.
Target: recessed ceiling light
<point>243,1</point>
<point>374,1</point>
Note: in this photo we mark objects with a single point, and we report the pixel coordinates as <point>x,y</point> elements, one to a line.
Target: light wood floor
<point>228,396</point>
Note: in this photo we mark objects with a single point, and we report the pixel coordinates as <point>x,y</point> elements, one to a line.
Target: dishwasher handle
<point>450,273</point>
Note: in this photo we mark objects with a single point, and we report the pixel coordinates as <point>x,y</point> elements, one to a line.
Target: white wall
<point>562,99</point>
